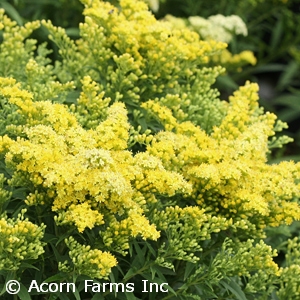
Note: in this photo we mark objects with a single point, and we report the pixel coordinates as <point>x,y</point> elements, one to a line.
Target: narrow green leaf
<point>11,11</point>
<point>276,35</point>
<point>227,81</point>
<point>112,277</point>
<point>20,193</point>
<point>143,123</point>
<point>72,97</point>
<point>9,276</point>
<point>188,270</point>
<point>152,295</point>
<point>235,289</point>
<point>151,249</point>
<point>285,79</point>
<point>54,296</point>
<point>56,277</point>
<point>28,266</point>
<point>23,293</point>
<point>76,294</point>
<point>160,274</point>
<point>270,68</point>
<point>129,273</point>
<point>289,100</point>
<point>63,297</point>
<point>166,271</point>
<point>140,253</point>
<point>153,271</point>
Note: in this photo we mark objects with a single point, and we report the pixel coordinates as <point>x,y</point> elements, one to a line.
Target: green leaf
<point>62,237</point>
<point>98,296</point>
<point>129,273</point>
<point>156,270</point>
<point>235,289</point>
<point>112,277</point>
<point>72,97</point>
<point>285,79</point>
<point>143,123</point>
<point>188,270</point>
<point>74,32</point>
<point>9,276</point>
<point>63,297</point>
<point>270,68</point>
<point>19,193</point>
<point>11,11</point>
<point>140,258</point>
<point>276,35</point>
<point>288,115</point>
<point>54,296</point>
<point>151,249</point>
<point>23,293</point>
<point>56,277</point>
<point>76,294</point>
<point>227,81</point>
<point>292,101</point>
<point>139,251</point>
<point>130,296</point>
<point>27,266</point>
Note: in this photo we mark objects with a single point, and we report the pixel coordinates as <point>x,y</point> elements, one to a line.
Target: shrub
<point>121,165</point>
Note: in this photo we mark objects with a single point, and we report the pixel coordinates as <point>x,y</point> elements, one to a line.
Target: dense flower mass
<point>145,165</point>
<point>20,241</point>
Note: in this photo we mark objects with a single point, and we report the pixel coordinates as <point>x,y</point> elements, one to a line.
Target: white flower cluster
<point>219,27</point>
<point>153,4</point>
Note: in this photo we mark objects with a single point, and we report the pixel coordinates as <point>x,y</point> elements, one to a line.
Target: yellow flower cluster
<point>117,236</point>
<point>163,113</point>
<point>16,46</point>
<point>20,240</point>
<point>228,169</point>
<point>81,215</point>
<point>201,175</point>
<point>219,28</point>
<point>133,57</point>
<point>91,105</point>
<point>33,71</point>
<point>235,61</point>
<point>91,262</point>
<point>85,172</point>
